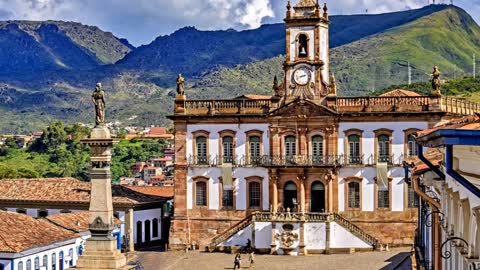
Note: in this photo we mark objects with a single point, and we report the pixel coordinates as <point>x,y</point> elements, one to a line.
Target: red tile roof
<point>433,155</point>
<point>471,122</point>
<point>77,222</point>
<point>64,191</point>
<point>157,131</point>
<point>166,192</point>
<point>19,232</point>
<point>400,93</point>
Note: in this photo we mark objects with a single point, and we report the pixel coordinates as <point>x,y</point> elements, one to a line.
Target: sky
<point>141,21</point>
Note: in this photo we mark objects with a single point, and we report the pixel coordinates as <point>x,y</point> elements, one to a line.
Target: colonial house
<point>303,170</point>
<point>447,179</point>
<point>29,243</point>
<point>141,211</point>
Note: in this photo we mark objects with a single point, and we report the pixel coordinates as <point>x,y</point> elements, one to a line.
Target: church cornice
<point>305,21</point>
<point>304,61</point>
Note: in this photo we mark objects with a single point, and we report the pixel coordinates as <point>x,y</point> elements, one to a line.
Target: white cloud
<point>142,20</point>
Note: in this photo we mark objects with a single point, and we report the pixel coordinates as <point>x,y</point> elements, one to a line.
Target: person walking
<point>236,262</point>
<point>252,260</point>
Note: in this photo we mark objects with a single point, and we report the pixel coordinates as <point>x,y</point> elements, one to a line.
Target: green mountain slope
<point>447,38</point>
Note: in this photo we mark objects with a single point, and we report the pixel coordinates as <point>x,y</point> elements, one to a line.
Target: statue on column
<point>332,88</point>
<point>98,98</point>
<point>180,85</point>
<point>436,83</point>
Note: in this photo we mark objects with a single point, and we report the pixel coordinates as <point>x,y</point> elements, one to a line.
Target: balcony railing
<point>294,161</point>
<point>383,104</point>
<point>228,106</point>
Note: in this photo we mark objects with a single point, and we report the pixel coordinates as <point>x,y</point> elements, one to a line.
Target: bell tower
<point>307,56</point>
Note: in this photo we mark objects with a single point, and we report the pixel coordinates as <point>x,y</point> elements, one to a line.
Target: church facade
<point>303,170</point>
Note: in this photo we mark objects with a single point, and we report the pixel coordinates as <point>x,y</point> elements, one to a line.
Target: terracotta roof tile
<point>471,122</point>
<point>433,155</point>
<point>19,232</point>
<point>166,192</point>
<point>63,190</point>
<point>78,222</point>
<point>400,93</point>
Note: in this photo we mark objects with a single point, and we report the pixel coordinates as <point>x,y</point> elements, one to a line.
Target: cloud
<point>143,20</point>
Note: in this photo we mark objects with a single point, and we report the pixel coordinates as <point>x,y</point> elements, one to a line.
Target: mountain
<point>52,67</point>
<point>28,47</point>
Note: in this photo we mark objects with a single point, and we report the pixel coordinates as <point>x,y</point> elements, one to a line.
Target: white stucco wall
<point>294,31</point>
<point>368,187</point>
<point>240,186</point>
<point>315,235</point>
<point>263,234</point>
<point>144,215</point>
<point>368,138</point>
<point>241,137</point>
<point>240,238</point>
<point>341,238</point>
<point>52,249</point>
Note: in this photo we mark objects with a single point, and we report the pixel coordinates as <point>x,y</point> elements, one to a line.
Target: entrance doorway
<point>147,232</point>
<point>290,196</point>
<point>139,233</point>
<point>317,197</point>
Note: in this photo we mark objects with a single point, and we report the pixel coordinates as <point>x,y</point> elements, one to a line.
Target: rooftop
<point>471,122</point>
<point>65,191</point>
<point>166,192</point>
<point>77,222</point>
<point>400,93</point>
<point>19,232</point>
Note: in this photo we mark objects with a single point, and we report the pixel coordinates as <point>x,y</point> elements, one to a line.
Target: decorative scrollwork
<point>429,223</point>
<point>454,242</point>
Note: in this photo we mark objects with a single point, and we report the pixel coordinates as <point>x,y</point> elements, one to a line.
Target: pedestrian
<point>236,262</point>
<point>252,260</point>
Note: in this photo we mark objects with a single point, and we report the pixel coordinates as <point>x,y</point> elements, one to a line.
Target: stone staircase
<point>355,230</point>
<point>217,240</point>
<point>293,218</point>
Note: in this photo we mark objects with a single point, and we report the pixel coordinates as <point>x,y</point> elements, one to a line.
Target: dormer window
<point>302,46</point>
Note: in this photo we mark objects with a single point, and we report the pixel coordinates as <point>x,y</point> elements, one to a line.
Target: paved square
<point>395,259</point>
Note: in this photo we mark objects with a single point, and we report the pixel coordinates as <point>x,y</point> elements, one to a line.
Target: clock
<point>302,76</point>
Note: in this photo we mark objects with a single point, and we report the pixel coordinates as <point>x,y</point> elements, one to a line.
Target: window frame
<point>197,134</point>
<point>359,181</point>
<point>254,179</point>
<point>389,134</point>
<point>406,199</point>
<point>311,147</point>
<point>220,192</point>
<point>407,133</point>
<point>20,265</point>
<point>390,195</point>
<point>347,150</point>
<point>195,181</point>
<point>284,142</point>
<point>155,231</point>
<point>253,133</point>
<point>221,135</point>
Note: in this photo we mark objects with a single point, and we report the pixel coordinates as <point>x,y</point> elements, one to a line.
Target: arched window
<point>290,146</point>
<point>317,149</point>
<point>70,254</point>
<point>45,261</point>
<point>20,265</point>
<point>54,261</point>
<point>29,264</point>
<point>412,145</point>
<point>383,148</point>
<point>155,227</point>
<point>227,144</point>
<point>354,149</point>
<point>354,195</point>
<point>254,144</point>
<point>201,151</point>
<point>254,194</point>
<point>302,45</point>
<point>37,263</point>
<point>201,193</point>
<point>139,232</point>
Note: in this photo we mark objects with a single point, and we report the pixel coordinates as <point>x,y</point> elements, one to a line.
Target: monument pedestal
<point>101,251</point>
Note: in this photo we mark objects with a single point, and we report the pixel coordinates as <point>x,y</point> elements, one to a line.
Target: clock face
<point>302,76</point>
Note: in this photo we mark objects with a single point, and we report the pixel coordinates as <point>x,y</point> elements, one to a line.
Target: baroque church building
<point>303,170</point>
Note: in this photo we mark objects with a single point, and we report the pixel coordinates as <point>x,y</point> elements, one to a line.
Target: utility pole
<point>409,74</point>
<point>474,67</point>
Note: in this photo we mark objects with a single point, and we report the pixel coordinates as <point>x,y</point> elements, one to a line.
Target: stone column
<point>129,229</point>
<point>273,245</point>
<point>301,245</point>
<point>275,194</point>
<point>302,194</point>
<point>327,236</point>
<point>101,248</point>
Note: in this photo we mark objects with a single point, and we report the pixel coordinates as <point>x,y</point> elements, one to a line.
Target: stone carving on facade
<point>332,88</point>
<point>276,87</point>
<point>436,83</point>
<point>98,98</point>
<point>287,238</point>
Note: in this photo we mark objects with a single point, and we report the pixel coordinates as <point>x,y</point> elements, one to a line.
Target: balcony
<point>227,107</point>
<point>265,161</point>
